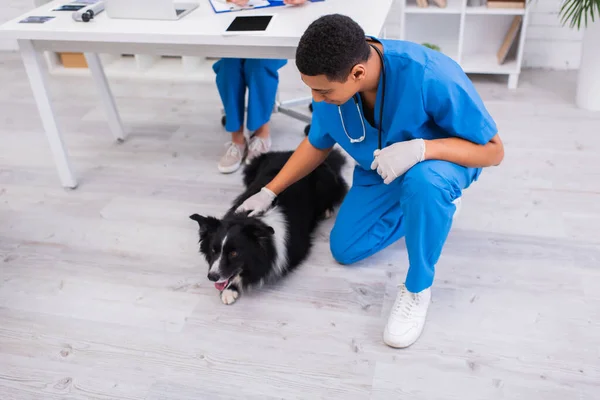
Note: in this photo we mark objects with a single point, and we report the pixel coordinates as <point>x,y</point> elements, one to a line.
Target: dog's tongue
<point>221,285</point>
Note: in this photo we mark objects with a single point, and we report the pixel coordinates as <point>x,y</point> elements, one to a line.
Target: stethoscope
<point>362,120</point>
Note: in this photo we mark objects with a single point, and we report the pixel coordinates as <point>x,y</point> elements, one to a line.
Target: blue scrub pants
<point>417,206</point>
<point>260,76</point>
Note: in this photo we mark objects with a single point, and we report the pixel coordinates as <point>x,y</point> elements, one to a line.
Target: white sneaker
<point>407,318</point>
<point>257,147</point>
<point>233,157</point>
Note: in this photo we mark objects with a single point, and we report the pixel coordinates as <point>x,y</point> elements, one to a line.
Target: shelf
<point>484,10</point>
<point>452,7</point>
<point>418,30</point>
<point>487,64</point>
<point>471,35</point>
<point>126,67</point>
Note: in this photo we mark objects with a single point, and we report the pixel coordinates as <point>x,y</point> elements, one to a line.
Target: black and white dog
<point>247,251</point>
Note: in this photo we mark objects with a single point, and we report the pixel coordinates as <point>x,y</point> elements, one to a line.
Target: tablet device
<point>249,24</point>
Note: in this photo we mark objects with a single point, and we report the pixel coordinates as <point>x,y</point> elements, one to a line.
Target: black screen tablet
<point>252,23</point>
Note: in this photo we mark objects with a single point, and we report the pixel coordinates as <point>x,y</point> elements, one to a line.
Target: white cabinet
<point>471,35</point>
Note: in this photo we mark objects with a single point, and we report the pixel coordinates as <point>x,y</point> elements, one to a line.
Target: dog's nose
<point>213,276</point>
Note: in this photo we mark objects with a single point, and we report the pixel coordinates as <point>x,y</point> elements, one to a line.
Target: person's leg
<point>420,206</point>
<point>231,85</point>
<point>428,193</point>
<point>369,219</point>
<point>262,78</point>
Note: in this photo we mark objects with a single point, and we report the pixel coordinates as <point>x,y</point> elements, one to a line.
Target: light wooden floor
<point>103,295</point>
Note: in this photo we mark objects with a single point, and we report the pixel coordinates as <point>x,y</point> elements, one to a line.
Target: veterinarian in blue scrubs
<point>261,78</point>
<point>420,135</point>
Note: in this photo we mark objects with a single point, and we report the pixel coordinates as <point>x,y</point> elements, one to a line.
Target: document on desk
<point>224,6</point>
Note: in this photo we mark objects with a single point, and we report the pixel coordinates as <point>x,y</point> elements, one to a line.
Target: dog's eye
<point>233,254</point>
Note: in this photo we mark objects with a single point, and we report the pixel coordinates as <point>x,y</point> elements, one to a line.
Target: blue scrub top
<point>427,95</point>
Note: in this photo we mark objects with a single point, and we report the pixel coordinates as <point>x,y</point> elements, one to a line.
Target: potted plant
<point>431,46</point>
<point>586,14</point>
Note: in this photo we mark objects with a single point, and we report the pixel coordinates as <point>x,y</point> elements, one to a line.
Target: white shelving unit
<point>142,66</point>
<point>471,35</point>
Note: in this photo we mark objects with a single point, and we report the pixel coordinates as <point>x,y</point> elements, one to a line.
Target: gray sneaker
<point>257,147</point>
<point>233,157</point>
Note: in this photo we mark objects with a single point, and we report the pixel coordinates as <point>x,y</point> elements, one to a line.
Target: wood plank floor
<point>103,294</point>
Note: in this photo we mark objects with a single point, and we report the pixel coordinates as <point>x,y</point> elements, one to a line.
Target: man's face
<point>332,92</point>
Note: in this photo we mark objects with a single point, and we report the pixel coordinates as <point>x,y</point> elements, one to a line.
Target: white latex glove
<point>258,203</point>
<point>393,161</point>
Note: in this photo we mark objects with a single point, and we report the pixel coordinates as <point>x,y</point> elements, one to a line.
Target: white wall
<point>548,44</point>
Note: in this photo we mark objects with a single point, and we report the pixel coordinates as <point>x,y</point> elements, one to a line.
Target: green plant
<point>573,11</point>
<point>433,46</point>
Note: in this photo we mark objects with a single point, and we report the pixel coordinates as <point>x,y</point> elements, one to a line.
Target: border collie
<point>245,251</point>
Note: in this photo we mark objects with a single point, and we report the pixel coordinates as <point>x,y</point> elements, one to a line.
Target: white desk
<point>197,34</point>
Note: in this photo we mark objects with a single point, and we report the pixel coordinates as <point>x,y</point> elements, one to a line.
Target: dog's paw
<point>229,296</point>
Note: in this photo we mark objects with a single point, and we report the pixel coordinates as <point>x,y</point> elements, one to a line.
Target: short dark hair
<point>332,45</point>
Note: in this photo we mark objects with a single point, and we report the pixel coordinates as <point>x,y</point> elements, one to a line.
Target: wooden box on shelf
<point>506,3</point>
<point>73,60</point>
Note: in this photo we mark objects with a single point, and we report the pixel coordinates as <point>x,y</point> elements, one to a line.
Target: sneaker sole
<point>230,169</point>
<point>395,344</point>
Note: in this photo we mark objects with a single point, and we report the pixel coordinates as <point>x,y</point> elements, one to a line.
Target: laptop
<point>148,9</point>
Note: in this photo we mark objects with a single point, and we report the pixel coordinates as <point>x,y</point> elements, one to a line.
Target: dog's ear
<point>259,231</point>
<point>207,224</point>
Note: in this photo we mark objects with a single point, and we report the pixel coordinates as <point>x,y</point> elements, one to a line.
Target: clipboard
<point>222,6</point>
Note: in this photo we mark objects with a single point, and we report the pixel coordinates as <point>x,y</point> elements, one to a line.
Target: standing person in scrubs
<point>261,77</point>
<point>436,136</point>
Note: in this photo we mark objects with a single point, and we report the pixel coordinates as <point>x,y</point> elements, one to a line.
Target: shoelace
<point>233,150</point>
<point>405,303</point>
<point>257,144</point>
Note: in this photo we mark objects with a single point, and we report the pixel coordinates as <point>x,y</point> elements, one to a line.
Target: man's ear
<point>358,73</point>
<point>259,231</point>
<point>207,224</point>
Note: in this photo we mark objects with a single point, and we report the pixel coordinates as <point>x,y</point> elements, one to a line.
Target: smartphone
<point>249,24</point>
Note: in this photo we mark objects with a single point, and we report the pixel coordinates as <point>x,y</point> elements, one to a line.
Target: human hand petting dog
<point>393,161</point>
<point>258,203</point>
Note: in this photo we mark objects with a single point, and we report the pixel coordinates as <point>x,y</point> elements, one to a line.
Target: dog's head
<point>231,245</point>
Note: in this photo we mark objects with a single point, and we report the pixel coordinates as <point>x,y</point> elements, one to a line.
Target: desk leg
<point>112,114</point>
<point>33,61</point>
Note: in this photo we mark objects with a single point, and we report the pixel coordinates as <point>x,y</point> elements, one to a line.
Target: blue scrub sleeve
<point>450,98</point>
<point>317,136</point>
